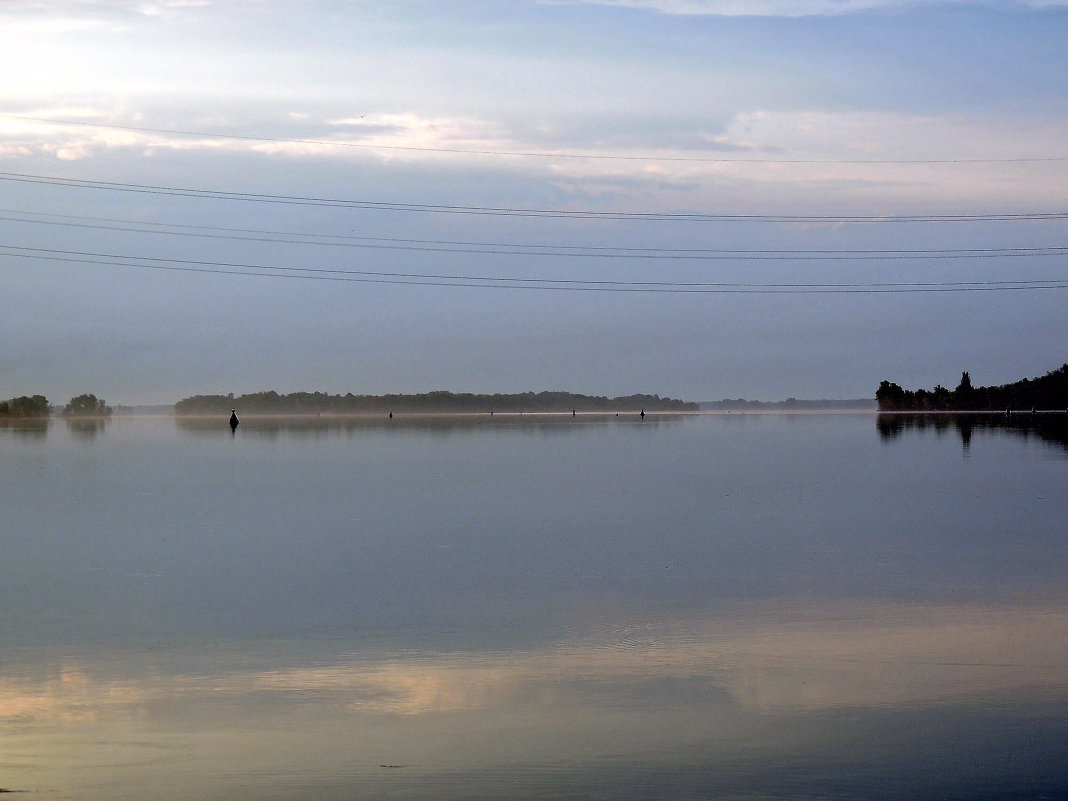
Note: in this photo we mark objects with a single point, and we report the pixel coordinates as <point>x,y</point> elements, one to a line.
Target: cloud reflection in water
<point>760,680</point>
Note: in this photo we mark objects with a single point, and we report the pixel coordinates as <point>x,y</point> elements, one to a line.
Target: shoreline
<point>307,416</point>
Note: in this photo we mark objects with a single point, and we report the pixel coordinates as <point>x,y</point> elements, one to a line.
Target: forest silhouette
<point>429,402</point>
<point>1048,392</point>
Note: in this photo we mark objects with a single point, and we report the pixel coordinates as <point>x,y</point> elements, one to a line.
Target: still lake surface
<point>689,607</point>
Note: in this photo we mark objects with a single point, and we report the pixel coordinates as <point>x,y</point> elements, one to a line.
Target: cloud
<point>164,7</point>
<point>387,137</point>
<point>147,7</point>
<point>781,8</point>
<point>416,131</point>
<point>870,161</point>
<point>15,26</point>
<point>33,17</point>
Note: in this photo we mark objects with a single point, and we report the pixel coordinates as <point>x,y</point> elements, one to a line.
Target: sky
<point>702,199</point>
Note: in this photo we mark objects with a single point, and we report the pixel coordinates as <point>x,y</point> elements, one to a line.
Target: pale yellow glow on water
<point>112,725</point>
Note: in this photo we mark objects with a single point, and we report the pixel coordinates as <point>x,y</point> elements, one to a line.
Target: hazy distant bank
<point>316,403</point>
<point>146,409</point>
<point>790,404</point>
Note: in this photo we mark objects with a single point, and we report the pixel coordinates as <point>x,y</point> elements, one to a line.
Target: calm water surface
<point>693,607</point>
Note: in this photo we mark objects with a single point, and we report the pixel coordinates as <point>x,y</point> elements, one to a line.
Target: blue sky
<point>722,107</point>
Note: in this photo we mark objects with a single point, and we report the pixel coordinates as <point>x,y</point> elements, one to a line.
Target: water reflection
<point>689,607</point>
<point>771,695</point>
<point>1050,427</point>
<point>272,426</point>
<point>29,428</point>
<point>86,428</point>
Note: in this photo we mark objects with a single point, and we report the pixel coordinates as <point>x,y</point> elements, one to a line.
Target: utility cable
<point>504,211</point>
<point>516,249</point>
<point>504,282</point>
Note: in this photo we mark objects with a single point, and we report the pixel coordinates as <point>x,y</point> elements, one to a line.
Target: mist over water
<point>785,606</point>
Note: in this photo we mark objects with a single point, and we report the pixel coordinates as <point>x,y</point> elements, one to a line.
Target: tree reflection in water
<point>295,425</point>
<point>1049,427</point>
<point>87,427</point>
<point>26,427</point>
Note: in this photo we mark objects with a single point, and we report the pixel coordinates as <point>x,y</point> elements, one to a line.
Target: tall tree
<point>86,405</point>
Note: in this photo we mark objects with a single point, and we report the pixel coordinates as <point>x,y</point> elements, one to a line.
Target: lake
<point>730,606</point>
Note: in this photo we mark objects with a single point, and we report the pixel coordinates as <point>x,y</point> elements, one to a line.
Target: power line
<point>543,250</point>
<point>504,211</point>
<point>505,282</point>
<point>530,153</point>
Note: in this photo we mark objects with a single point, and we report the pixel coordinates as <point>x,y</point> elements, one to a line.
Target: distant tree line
<point>25,406</point>
<point>38,406</point>
<point>427,402</point>
<point>86,406</point>
<point>1045,392</point>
